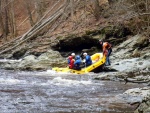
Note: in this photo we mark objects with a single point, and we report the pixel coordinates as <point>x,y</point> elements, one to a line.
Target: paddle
<point>85,67</point>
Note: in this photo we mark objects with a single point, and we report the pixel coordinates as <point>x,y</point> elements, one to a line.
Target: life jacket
<point>69,59</point>
<point>77,61</point>
<point>106,46</point>
<point>88,60</point>
<point>71,65</point>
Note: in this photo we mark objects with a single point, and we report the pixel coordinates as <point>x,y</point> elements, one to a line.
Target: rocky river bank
<point>130,62</point>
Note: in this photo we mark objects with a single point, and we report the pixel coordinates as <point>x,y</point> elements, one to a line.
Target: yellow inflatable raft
<point>97,59</point>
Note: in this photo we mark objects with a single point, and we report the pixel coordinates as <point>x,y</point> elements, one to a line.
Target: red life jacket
<point>69,59</point>
<point>71,65</point>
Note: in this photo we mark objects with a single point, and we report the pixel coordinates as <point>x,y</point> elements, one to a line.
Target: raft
<point>97,60</point>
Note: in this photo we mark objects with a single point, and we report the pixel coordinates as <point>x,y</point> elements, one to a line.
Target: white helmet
<point>72,54</point>
<point>84,54</point>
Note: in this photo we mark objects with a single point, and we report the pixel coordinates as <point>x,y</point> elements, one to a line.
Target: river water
<point>50,92</point>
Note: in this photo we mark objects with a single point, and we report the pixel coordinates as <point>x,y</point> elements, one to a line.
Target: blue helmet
<point>77,57</point>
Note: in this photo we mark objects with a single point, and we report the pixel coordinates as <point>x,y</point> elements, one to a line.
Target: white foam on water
<point>67,82</point>
<point>56,73</point>
<point>11,81</point>
<point>46,73</point>
<point>52,73</point>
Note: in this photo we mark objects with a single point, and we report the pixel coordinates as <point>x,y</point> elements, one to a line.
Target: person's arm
<point>109,45</point>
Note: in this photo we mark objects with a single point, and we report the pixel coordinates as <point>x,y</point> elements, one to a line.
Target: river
<point>50,92</point>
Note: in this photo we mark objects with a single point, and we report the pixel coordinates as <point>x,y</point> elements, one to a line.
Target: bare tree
<point>6,25</point>
<point>1,20</point>
<point>27,5</point>
<point>38,8</point>
<point>12,20</point>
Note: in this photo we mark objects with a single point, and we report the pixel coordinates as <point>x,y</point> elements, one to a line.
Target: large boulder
<point>43,62</point>
<point>138,95</point>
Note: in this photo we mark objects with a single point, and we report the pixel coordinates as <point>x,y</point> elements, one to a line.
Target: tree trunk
<point>38,8</point>
<point>29,12</point>
<point>6,26</point>
<point>1,20</point>
<point>12,20</point>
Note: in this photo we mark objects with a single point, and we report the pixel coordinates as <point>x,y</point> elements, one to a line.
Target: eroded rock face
<point>113,34</point>
<point>75,43</point>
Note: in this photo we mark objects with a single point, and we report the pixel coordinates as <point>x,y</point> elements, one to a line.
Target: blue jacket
<point>77,62</point>
<point>88,60</point>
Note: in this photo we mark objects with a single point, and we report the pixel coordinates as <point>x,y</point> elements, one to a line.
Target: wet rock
<point>136,95</point>
<point>106,76</point>
<point>27,62</point>
<point>140,63</point>
<point>144,106</point>
<point>143,92</point>
<point>102,77</point>
<point>9,64</point>
<point>29,58</point>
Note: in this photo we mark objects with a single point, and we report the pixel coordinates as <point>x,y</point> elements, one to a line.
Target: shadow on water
<point>48,92</point>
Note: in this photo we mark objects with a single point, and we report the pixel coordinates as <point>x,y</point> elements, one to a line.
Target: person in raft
<point>77,63</point>
<point>107,49</point>
<point>87,59</point>
<point>71,60</point>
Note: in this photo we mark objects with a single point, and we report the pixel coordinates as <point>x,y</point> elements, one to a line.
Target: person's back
<point>88,60</point>
<point>71,60</point>
<point>71,64</point>
<point>77,63</point>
